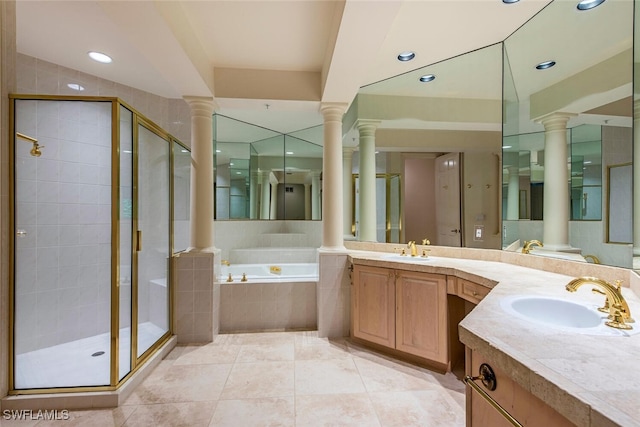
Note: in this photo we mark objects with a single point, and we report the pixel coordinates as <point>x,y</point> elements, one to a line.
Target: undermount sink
<point>405,257</point>
<point>561,314</point>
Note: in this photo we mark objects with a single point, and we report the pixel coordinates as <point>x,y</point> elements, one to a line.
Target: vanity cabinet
<point>521,404</point>
<point>373,301</point>
<point>421,315</point>
<point>401,310</point>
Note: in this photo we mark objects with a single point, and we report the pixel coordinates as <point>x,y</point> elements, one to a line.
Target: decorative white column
<point>307,201</point>
<point>315,195</point>
<point>636,178</point>
<point>556,182</point>
<point>332,176</point>
<point>274,200</point>
<point>201,173</point>
<point>347,173</point>
<point>367,178</point>
<point>513,192</point>
<point>266,194</point>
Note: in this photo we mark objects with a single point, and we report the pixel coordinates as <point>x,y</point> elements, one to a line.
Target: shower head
<point>35,150</point>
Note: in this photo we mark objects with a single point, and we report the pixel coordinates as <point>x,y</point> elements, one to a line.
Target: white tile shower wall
<point>64,206</point>
<point>334,295</point>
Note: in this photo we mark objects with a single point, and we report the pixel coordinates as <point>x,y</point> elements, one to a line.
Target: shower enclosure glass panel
<point>153,246</point>
<point>63,244</point>
<point>126,230</point>
<point>181,197</point>
<point>93,215</point>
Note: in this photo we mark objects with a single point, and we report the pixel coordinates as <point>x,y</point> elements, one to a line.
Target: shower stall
<point>93,221</point>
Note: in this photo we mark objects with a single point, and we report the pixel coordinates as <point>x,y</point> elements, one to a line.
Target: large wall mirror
<point>442,138</point>
<point>591,83</point>
<point>264,174</point>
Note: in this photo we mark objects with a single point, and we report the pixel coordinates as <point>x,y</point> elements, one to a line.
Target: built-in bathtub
<point>275,296</point>
<point>298,272</point>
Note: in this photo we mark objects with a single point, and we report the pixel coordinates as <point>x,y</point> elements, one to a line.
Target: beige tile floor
<point>282,379</point>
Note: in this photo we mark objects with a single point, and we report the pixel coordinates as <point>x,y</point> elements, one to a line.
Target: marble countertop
<point>592,380</point>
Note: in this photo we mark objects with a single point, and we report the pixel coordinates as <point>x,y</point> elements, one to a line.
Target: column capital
<point>333,111</point>
<point>347,152</point>
<point>367,124</point>
<point>315,173</point>
<point>555,121</point>
<point>201,105</point>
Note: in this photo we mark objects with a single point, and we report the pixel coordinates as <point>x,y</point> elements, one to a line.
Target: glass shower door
<point>152,238</point>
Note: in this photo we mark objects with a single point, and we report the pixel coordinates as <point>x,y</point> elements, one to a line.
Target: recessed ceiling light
<point>289,152</point>
<point>427,78</point>
<point>589,4</point>
<point>100,57</point>
<point>510,1</point>
<point>544,65</point>
<point>406,56</point>
<point>75,86</point>
<point>504,147</point>
<point>218,151</point>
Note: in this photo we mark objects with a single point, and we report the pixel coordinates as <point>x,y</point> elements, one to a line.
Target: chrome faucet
<point>529,243</point>
<point>619,314</point>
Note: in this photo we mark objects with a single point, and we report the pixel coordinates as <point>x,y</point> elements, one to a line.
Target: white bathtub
<point>292,272</point>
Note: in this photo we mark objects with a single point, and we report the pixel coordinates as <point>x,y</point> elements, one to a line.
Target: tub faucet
<point>619,314</point>
<point>529,243</point>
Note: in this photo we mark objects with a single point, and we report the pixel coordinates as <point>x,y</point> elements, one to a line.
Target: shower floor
<point>72,365</point>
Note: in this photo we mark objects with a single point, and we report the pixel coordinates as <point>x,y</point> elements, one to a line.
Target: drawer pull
<point>488,379</point>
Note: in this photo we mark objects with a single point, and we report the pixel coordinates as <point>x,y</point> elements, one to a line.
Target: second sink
<point>556,312</point>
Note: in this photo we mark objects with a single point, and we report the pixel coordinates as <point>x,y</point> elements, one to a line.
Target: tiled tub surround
<point>591,380</point>
<point>267,306</point>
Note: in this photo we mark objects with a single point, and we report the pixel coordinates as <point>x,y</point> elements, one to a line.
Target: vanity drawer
<point>471,291</point>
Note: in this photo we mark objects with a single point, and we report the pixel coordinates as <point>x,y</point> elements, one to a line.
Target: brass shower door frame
<point>136,362</point>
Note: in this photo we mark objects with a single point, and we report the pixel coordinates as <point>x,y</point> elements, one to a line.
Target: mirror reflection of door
<point>448,200</point>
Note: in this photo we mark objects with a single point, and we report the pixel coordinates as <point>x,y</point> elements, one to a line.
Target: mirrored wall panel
<point>263,174</point>
<point>568,116</point>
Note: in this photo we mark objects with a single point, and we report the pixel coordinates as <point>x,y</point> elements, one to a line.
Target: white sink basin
<point>561,314</point>
<point>398,257</point>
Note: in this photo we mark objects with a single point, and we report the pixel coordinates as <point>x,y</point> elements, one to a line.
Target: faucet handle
<point>618,284</point>
<point>605,307</point>
<point>425,242</point>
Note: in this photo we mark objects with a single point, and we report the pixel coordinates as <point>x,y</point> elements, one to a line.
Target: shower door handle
<point>138,240</point>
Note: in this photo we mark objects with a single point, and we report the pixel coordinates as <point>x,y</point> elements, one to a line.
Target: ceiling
<point>266,62</point>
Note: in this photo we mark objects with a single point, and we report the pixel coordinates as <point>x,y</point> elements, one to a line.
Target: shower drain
<point>97,353</point>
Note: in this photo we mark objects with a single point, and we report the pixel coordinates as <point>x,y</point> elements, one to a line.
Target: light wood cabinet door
<point>373,305</point>
<point>421,316</point>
